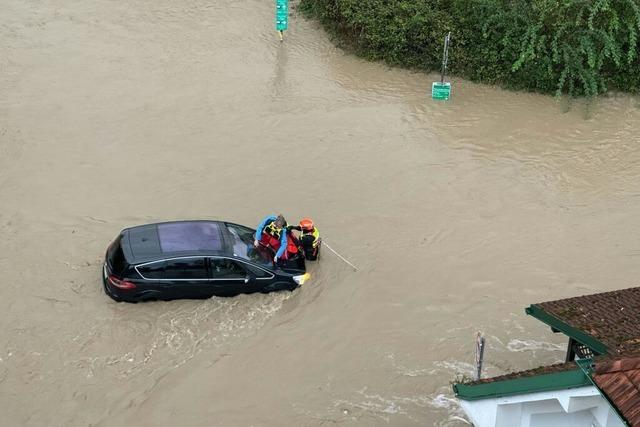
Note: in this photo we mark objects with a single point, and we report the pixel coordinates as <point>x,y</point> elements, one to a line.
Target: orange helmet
<point>306,224</point>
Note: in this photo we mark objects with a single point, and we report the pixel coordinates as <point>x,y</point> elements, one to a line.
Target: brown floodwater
<point>457,215</point>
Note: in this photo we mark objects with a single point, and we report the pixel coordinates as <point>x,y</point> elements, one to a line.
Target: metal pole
<point>479,354</point>
<point>445,56</point>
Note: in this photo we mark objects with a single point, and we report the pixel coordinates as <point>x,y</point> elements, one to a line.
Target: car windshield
<point>243,246</point>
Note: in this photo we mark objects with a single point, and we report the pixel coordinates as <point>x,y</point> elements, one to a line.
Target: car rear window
<point>115,256</point>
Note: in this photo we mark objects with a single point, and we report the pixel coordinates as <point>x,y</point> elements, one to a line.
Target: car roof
<point>176,238</point>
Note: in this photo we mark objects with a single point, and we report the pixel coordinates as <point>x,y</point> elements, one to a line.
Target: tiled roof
<point>619,379</point>
<point>612,318</point>
<point>607,322</point>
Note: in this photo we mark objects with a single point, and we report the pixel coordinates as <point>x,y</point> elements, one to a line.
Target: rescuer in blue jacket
<point>272,232</point>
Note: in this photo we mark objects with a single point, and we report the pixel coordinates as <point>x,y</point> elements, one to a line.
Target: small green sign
<point>441,91</point>
<point>282,15</point>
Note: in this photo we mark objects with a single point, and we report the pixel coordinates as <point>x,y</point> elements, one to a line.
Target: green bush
<point>579,47</point>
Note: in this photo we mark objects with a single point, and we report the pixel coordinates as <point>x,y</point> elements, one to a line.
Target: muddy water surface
<point>457,214</point>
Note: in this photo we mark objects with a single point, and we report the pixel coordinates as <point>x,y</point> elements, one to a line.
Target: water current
<point>458,215</point>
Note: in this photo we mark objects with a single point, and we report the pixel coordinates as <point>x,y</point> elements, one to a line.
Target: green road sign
<point>441,91</point>
<point>282,15</point>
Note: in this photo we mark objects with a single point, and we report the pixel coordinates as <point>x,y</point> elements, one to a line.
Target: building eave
<point>545,382</point>
<point>558,325</point>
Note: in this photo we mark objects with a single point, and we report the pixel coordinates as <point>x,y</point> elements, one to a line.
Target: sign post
<point>282,17</point>
<point>442,90</point>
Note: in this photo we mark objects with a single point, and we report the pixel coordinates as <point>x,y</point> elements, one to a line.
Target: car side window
<point>258,272</point>
<point>185,268</point>
<point>225,268</point>
<point>154,270</point>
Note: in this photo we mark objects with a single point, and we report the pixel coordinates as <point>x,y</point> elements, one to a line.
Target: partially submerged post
<point>445,56</point>
<point>282,17</point>
<point>479,356</point>
<point>442,90</point>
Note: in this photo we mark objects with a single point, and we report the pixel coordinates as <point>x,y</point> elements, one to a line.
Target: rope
<point>340,256</point>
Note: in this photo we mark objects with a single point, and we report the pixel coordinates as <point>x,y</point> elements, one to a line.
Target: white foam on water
<point>409,372</point>
<point>456,367</point>
<point>443,401</point>
<point>378,406</point>
<point>498,340</point>
<point>447,402</point>
<point>179,334</point>
<point>373,405</point>
<point>517,345</point>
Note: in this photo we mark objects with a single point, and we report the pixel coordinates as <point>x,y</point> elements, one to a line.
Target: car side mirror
<point>249,278</point>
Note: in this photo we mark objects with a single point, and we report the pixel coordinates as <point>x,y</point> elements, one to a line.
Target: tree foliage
<point>580,47</point>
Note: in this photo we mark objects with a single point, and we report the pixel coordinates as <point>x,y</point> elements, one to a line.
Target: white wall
<point>577,407</point>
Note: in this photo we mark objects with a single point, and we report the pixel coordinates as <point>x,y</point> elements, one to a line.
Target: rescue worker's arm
<point>266,219</point>
<point>283,244</point>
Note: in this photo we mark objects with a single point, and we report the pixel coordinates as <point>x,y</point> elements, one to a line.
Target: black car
<point>193,259</point>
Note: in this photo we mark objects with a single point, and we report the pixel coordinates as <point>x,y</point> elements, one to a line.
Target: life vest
<point>292,245</point>
<point>272,230</point>
<point>310,242</point>
<point>304,235</point>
